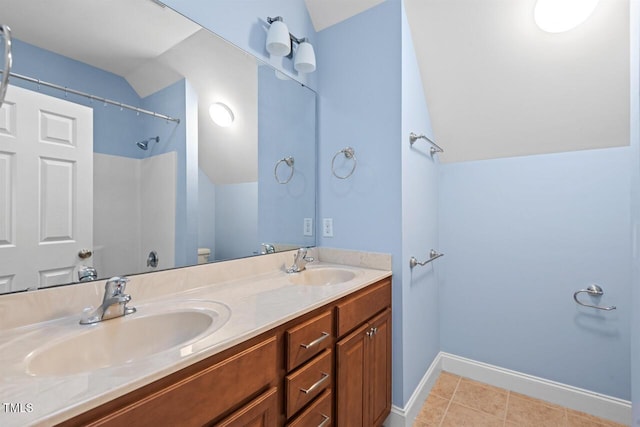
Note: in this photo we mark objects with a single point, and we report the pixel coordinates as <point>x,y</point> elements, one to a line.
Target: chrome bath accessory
<point>104,101</point>
<point>595,291</point>
<point>433,255</point>
<point>349,154</point>
<point>114,303</point>
<point>153,259</point>
<point>144,144</point>
<point>435,148</point>
<point>8,60</point>
<point>300,260</point>
<point>87,274</point>
<point>289,161</point>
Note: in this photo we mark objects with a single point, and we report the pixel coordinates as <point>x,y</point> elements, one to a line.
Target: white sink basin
<point>320,276</point>
<point>129,339</point>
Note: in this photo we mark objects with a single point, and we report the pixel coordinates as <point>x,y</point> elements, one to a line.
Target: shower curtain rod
<point>93,97</point>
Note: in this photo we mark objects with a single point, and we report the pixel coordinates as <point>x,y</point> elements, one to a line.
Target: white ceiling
<point>114,38</point>
<point>495,84</point>
<point>498,86</point>
<point>325,13</point>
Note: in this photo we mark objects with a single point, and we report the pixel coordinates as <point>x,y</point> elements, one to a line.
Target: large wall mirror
<point>86,184</point>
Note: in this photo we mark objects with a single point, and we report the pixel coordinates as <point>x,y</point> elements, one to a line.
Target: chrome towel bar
<point>435,147</point>
<point>433,255</point>
<point>8,60</point>
<point>593,290</point>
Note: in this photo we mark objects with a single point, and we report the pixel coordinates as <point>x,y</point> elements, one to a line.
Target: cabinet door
<point>379,374</point>
<point>351,368</point>
<point>260,412</point>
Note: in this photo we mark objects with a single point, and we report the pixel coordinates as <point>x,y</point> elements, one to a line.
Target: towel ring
<point>349,153</point>
<point>289,162</point>
<point>593,290</point>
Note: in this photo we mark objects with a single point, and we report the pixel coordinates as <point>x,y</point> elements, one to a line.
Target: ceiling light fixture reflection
<point>557,16</point>
<point>221,114</point>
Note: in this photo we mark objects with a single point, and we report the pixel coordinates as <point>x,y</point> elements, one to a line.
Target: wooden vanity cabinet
<point>309,349</point>
<point>295,375</point>
<point>363,359</point>
<point>225,386</point>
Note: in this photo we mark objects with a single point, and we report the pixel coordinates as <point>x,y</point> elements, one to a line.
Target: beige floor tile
<point>432,412</point>
<point>578,421</point>
<point>445,385</point>
<point>461,416</point>
<point>483,397</point>
<point>533,399</point>
<point>576,416</point>
<point>528,412</point>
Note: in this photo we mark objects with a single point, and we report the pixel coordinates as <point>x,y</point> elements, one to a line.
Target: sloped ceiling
<point>498,86</point>
<point>325,13</point>
<point>495,84</point>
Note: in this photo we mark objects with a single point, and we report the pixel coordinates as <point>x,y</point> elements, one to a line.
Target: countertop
<point>257,302</point>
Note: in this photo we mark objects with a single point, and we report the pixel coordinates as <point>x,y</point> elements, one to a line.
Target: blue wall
<point>360,106</point>
<point>420,312</point>
<point>521,235</point>
<point>286,127</point>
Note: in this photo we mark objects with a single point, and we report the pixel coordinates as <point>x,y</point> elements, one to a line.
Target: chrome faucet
<point>114,303</point>
<point>300,260</point>
<point>268,248</point>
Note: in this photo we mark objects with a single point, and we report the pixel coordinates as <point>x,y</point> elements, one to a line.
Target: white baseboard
<point>600,405</point>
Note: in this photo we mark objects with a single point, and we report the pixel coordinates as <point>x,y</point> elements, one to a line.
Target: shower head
<point>144,144</point>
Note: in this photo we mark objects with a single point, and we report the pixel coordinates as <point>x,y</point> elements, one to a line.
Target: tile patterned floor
<point>457,402</point>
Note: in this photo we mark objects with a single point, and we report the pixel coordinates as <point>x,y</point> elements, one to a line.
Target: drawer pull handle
<point>325,421</point>
<point>316,385</point>
<point>316,342</point>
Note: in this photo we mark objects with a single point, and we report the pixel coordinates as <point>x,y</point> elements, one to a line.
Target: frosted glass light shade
<point>305,60</point>
<point>278,42</point>
<point>221,114</point>
<point>556,16</point>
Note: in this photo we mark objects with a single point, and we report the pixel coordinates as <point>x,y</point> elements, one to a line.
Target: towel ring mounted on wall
<point>593,290</point>
<point>289,161</point>
<point>349,154</point>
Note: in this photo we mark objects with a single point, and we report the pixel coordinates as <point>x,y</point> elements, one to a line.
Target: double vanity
<point>235,343</point>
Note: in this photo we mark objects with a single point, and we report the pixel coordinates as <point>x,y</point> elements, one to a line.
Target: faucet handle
<point>115,285</point>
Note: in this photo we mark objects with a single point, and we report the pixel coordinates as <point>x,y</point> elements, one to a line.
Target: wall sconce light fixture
<point>221,114</point>
<point>557,16</point>
<point>280,43</point>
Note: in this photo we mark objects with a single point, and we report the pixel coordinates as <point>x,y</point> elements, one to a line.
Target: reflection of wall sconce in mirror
<point>280,43</point>
<point>221,114</point>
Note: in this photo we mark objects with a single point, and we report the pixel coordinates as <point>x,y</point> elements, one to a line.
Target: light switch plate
<point>327,227</point>
<point>308,227</point>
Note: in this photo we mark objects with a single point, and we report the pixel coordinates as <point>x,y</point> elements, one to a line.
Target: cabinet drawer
<point>260,412</point>
<point>358,309</point>
<point>317,414</point>
<point>200,398</point>
<point>308,339</point>
<point>308,382</point>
